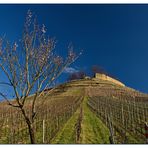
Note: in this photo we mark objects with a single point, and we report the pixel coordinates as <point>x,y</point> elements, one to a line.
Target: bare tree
<point>97,69</point>
<point>31,66</point>
<point>77,75</point>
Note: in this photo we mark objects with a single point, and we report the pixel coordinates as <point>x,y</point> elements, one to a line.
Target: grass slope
<point>93,130</point>
<point>67,134</point>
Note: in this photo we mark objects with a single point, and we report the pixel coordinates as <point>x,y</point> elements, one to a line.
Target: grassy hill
<point>87,111</point>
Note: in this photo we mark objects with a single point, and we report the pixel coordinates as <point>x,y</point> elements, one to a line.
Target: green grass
<point>67,134</point>
<point>93,130</point>
<point>132,140</point>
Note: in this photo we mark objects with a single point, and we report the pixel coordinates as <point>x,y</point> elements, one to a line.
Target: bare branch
<point>9,103</point>
<point>5,83</point>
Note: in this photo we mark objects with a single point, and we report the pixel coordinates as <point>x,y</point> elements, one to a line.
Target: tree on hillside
<point>97,69</point>
<point>77,75</point>
<point>30,67</point>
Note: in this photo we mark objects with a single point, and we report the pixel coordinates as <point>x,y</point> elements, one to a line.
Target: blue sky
<point>112,36</point>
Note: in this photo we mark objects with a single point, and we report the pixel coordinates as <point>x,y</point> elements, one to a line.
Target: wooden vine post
<point>43,131</point>
<point>146,132</point>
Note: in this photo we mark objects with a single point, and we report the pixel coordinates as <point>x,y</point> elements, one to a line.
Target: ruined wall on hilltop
<point>105,77</point>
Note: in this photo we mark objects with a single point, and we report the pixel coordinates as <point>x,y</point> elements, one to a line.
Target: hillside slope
<point>82,111</point>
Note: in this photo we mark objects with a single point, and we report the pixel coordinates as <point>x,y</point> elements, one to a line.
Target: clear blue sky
<point>112,36</point>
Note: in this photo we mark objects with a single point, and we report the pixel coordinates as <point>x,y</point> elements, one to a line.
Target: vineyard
<point>84,111</point>
<point>124,112</point>
<point>52,115</point>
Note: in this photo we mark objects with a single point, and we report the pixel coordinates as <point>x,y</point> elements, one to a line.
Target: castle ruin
<point>107,78</point>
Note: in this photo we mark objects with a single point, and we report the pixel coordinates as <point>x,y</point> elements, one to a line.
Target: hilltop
<point>89,110</point>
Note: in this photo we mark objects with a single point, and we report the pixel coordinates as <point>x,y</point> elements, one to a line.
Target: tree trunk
<point>31,133</point>
<point>30,127</point>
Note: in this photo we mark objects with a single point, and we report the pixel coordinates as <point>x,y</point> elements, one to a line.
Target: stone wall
<point>105,77</point>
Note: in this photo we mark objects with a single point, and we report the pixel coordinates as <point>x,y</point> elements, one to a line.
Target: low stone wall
<point>105,77</point>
